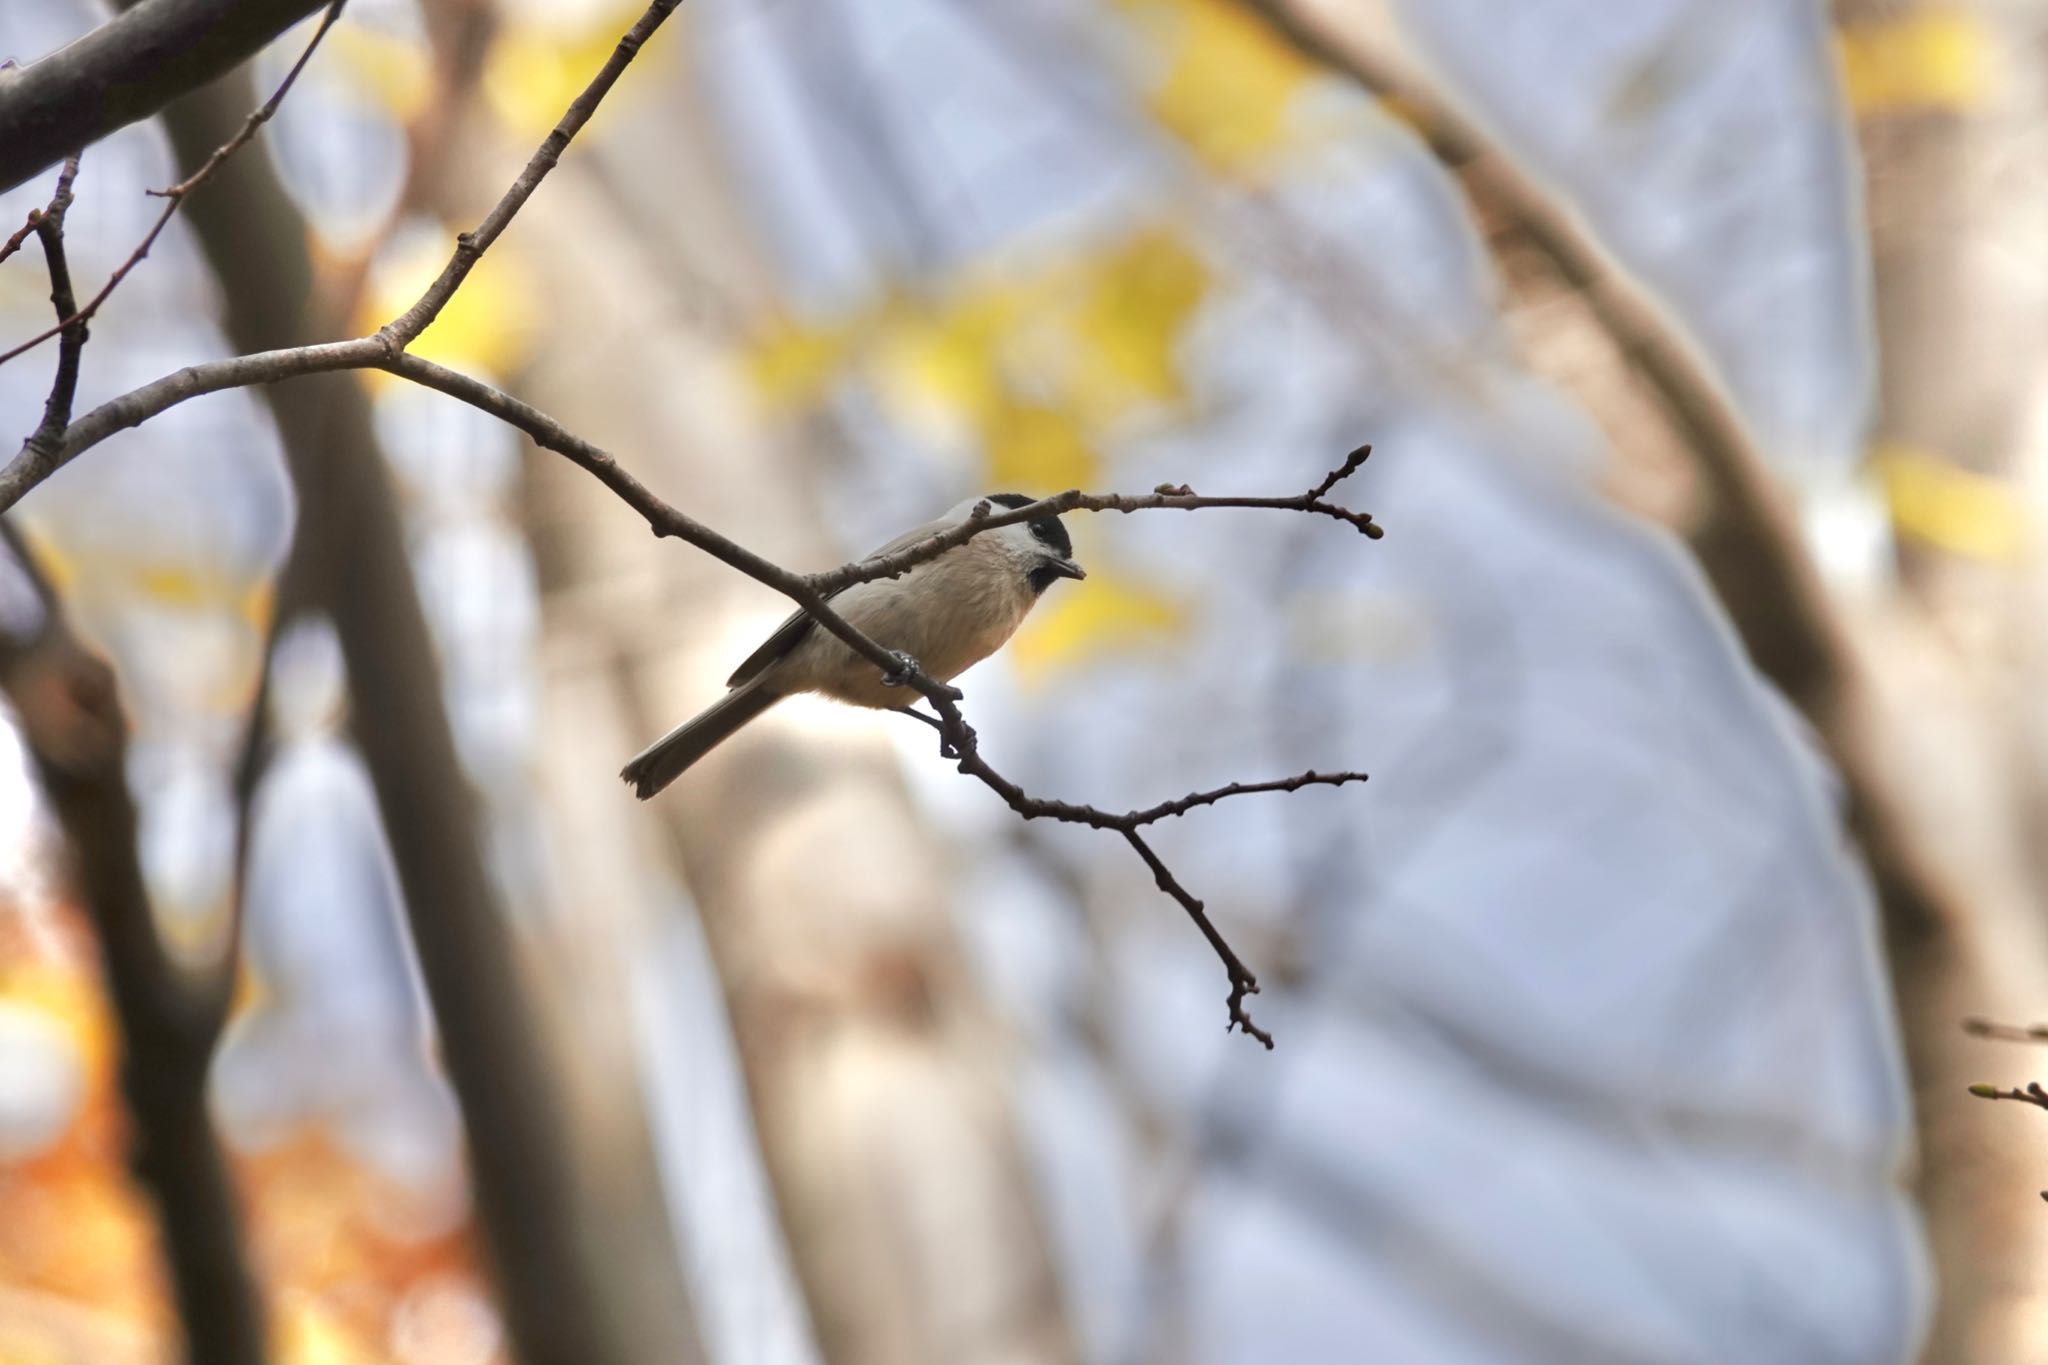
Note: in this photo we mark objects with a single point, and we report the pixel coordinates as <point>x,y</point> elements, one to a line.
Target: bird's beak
<point>1066,568</point>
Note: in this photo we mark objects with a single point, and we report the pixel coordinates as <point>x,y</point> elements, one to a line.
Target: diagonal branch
<point>958,741</point>
<point>1748,544</point>
<point>470,246</point>
<point>31,466</point>
<point>2033,1094</point>
<point>174,197</point>
<point>58,200</point>
<point>386,349</point>
<point>1173,497</point>
<point>957,738</point>
<point>49,229</point>
<point>1311,778</point>
<point>127,69</point>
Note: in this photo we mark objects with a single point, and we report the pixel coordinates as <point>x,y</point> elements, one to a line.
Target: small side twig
<point>49,229</point>
<point>1167,497</point>
<point>2010,1033</point>
<point>175,196</point>
<point>2033,1094</point>
<point>957,737</point>
<point>69,711</point>
<point>960,743</point>
<point>58,202</point>
<point>386,349</point>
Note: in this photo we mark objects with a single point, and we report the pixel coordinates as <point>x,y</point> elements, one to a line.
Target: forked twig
<point>174,197</point>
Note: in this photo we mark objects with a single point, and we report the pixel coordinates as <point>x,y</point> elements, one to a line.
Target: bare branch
<point>470,246</point>
<point>2033,1094</point>
<point>127,69</point>
<point>1748,543</point>
<point>386,349</point>
<point>1172,497</point>
<point>60,199</point>
<point>70,715</point>
<point>31,466</point>
<point>174,197</point>
<point>956,737</point>
<point>958,741</point>
<point>1209,798</point>
<point>49,228</point>
<point>812,593</point>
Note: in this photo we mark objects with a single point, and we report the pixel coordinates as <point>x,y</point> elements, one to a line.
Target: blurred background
<point>1619,1018</point>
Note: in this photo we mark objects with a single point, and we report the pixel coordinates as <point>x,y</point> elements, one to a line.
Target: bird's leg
<point>946,749</point>
<point>900,675</point>
<point>906,668</point>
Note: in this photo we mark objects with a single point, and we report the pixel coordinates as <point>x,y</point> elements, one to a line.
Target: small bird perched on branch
<point>943,616</point>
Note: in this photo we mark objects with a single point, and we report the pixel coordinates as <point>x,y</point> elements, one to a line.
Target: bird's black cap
<point>1048,530</point>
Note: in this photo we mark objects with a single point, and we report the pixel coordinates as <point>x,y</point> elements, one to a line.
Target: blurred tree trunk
<point>1949,126</point>
<point>1916,701</point>
<point>878,1086</point>
<point>544,1248</point>
<point>168,1017</point>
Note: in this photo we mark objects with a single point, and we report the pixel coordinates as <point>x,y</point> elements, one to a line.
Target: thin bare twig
<point>386,349</point>
<point>958,741</point>
<point>58,202</point>
<point>470,246</point>
<point>957,737</point>
<point>1311,778</point>
<point>806,592</point>
<point>31,466</point>
<point>2010,1033</point>
<point>1172,497</point>
<point>20,235</point>
<point>49,229</point>
<point>127,69</point>
<point>175,196</point>
<point>2033,1094</point>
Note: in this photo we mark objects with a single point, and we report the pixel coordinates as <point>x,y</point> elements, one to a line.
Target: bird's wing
<point>800,623</point>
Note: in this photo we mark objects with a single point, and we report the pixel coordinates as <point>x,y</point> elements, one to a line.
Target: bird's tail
<point>663,761</point>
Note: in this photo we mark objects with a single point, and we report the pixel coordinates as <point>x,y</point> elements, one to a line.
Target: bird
<point>942,616</point>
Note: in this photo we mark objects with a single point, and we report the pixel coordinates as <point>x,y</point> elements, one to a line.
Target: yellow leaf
<point>1034,447</point>
<point>1921,60</point>
<point>1089,620</point>
<point>791,366</point>
<point>1957,509</point>
<point>1139,299</point>
<point>1230,85</point>
<point>258,604</point>
<point>67,1002</point>
<point>178,585</point>
<point>941,361</point>
<point>393,73</point>
<point>311,1335</point>
<point>490,324</point>
<point>50,556</point>
<point>532,73</point>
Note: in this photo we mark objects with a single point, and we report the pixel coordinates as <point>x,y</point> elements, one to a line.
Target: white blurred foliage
<point>160,536</point>
<point>1586,1054</point>
<point>748,1304</point>
<point>325,935</point>
<point>1586,1057</point>
<point>42,1080</point>
<point>335,142</point>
